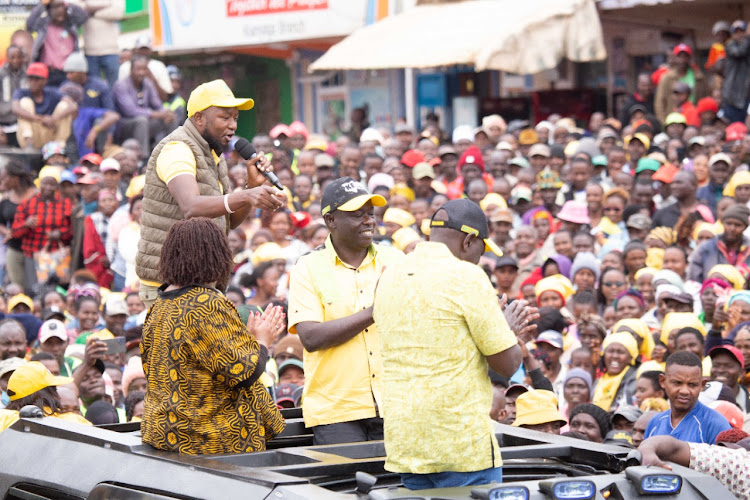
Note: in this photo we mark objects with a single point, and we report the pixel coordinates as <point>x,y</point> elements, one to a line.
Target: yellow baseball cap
<point>32,377</point>
<point>215,93</point>
<point>20,299</point>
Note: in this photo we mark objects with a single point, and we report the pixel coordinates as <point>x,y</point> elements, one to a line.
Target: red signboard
<point>239,8</point>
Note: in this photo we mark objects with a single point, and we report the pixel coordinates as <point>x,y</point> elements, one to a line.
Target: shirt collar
<point>432,249</point>
<point>372,251</point>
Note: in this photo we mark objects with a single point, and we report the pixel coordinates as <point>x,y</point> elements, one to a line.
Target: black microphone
<point>247,151</point>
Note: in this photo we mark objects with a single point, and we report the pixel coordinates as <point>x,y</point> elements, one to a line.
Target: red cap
<point>298,127</point>
<point>707,104</point>
<point>735,131</point>
<point>665,173</point>
<point>473,156</point>
<point>300,219</point>
<point>92,158</point>
<point>38,69</point>
<point>412,157</point>
<point>736,353</point>
<point>278,130</point>
<point>682,47</point>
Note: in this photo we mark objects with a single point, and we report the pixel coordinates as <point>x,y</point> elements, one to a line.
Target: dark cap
<point>464,215</point>
<point>629,412</point>
<point>516,389</point>
<point>53,312</point>
<point>737,212</point>
<point>506,260</point>
<point>285,396</point>
<point>347,195</point>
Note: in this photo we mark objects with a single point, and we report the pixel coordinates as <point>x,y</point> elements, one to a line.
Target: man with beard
<point>187,177</point>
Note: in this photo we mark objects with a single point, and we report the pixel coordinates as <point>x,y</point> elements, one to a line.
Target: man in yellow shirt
<point>187,177</point>
<point>440,325</point>
<point>330,307</point>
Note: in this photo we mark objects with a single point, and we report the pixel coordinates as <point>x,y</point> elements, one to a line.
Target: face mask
<point>5,399</point>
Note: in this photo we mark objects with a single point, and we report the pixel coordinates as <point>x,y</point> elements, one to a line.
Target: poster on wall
<point>181,24</point>
<point>13,14</point>
<point>332,111</point>
<point>377,103</point>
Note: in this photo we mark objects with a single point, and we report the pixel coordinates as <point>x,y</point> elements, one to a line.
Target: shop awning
<point>523,37</point>
<point>628,4</point>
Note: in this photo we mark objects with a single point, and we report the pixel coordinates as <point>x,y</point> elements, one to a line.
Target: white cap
<point>52,328</point>
<point>109,164</point>
<point>115,306</point>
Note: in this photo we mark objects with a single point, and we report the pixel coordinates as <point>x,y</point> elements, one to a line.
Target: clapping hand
<point>268,326</point>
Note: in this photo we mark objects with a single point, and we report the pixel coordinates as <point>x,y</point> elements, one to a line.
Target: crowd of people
<point>629,235</point>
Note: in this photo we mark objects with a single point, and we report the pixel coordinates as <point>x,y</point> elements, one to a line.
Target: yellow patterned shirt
<point>342,383</point>
<point>196,356</point>
<point>438,318</point>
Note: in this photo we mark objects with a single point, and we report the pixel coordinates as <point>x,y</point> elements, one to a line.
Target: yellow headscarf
<point>650,366</point>
<point>731,273</point>
<point>626,340</point>
<point>555,283</point>
<point>654,258</point>
<point>640,328</point>
<point>738,179</point>
<point>666,235</point>
<point>714,229</point>
<point>608,385</point>
<point>492,199</point>
<point>677,320</point>
<point>399,216</point>
<point>403,190</point>
<point>404,237</point>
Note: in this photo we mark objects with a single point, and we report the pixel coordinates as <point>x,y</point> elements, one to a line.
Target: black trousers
<point>368,429</point>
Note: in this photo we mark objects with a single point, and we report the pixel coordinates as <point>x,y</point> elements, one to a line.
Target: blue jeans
<point>109,64</point>
<point>451,479</point>
<point>732,114</point>
<point>118,283</point>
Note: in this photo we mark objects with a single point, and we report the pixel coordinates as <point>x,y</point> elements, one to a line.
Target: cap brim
<point>241,104</point>
<point>58,380</point>
<point>359,201</point>
<point>491,246</point>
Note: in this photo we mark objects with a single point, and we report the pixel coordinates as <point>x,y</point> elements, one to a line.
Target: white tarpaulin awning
<point>523,37</point>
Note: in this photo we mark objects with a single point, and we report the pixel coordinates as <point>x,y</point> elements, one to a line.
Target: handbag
<point>52,263</point>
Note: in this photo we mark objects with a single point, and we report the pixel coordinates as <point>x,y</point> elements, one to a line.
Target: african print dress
<point>198,358</point>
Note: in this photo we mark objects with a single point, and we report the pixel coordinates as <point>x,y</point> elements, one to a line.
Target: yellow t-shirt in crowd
<point>438,319</point>
<point>342,383</point>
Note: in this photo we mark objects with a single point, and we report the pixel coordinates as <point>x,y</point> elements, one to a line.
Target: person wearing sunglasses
<point>611,284</point>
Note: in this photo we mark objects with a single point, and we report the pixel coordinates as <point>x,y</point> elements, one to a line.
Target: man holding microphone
<point>187,177</point>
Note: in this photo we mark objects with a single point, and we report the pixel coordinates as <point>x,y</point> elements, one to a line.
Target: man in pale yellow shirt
<point>330,307</point>
<point>441,325</point>
<point>187,177</point>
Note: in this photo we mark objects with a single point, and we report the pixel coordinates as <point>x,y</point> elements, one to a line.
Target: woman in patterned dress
<point>201,362</point>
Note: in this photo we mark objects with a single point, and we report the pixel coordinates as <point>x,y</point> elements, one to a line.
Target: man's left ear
<point>468,240</point>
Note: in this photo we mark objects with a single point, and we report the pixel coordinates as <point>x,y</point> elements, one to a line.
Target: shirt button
<point>370,353</point>
<point>373,375</point>
<point>366,330</point>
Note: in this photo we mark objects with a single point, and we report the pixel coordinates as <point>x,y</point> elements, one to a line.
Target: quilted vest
<point>160,210</point>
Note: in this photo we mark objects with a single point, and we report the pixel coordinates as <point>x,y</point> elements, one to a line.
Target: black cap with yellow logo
<point>464,215</point>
